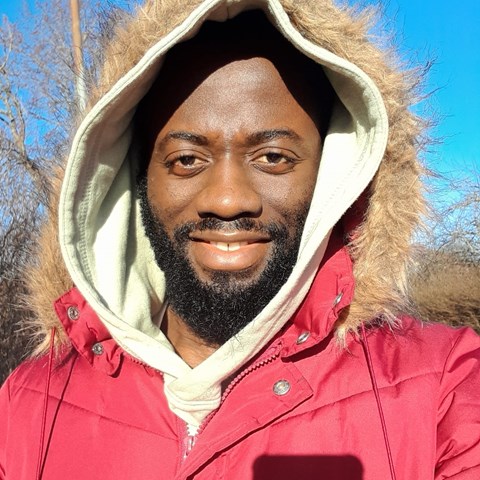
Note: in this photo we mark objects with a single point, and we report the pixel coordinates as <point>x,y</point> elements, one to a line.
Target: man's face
<point>228,186</point>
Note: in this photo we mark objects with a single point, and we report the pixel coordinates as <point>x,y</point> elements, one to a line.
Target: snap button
<point>337,299</point>
<point>97,348</point>
<point>303,337</point>
<point>73,313</point>
<point>281,387</point>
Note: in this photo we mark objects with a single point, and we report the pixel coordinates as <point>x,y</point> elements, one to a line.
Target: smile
<point>229,241</point>
<point>229,251</point>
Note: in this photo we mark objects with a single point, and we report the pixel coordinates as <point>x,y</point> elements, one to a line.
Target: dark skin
<point>240,140</point>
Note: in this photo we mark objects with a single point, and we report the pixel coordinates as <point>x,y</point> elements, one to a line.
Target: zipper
<point>188,443</point>
<point>190,440</point>
<point>149,369</point>
<point>248,370</point>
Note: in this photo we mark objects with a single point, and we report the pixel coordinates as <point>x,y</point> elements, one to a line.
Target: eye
<point>185,165</point>
<point>186,161</point>
<point>274,158</point>
<point>274,162</point>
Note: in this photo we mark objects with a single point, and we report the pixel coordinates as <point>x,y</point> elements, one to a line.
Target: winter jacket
<point>330,380</point>
<point>403,402</point>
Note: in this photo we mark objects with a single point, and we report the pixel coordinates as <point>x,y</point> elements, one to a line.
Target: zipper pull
<point>188,443</point>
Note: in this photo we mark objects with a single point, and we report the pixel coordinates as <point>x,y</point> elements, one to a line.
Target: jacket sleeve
<point>458,431</point>
<point>4,427</point>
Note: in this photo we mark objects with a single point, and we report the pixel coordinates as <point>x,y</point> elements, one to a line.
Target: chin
<point>231,279</point>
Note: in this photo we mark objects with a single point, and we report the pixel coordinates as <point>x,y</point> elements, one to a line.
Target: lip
<point>210,236</point>
<point>229,251</point>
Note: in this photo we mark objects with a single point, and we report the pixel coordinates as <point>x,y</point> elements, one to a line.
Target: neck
<point>192,349</point>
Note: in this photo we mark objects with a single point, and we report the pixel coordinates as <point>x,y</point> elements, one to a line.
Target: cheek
<point>289,192</point>
<point>171,198</point>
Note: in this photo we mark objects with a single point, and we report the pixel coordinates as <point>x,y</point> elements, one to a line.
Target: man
<point>235,219</point>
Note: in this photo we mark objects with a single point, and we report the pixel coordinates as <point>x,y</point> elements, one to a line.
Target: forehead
<point>229,93</point>
<point>234,101</point>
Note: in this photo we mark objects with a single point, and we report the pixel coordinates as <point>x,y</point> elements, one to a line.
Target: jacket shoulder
<point>27,374</point>
<point>455,354</point>
<point>433,344</point>
<point>32,374</point>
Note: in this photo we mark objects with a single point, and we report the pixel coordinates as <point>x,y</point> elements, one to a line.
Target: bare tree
<point>446,282</point>
<point>38,110</point>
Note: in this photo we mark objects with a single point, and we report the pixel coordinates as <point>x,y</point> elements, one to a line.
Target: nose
<point>229,192</point>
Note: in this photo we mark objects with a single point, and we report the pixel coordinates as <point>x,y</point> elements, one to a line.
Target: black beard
<point>216,311</point>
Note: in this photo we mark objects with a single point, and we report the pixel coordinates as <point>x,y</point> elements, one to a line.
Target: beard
<point>217,310</point>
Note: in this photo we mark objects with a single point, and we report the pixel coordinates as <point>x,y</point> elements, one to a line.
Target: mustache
<point>273,229</point>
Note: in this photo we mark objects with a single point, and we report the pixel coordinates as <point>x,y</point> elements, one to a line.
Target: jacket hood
<point>367,181</point>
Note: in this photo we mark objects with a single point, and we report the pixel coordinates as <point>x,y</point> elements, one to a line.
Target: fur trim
<point>380,247</point>
<point>47,279</point>
<point>381,244</point>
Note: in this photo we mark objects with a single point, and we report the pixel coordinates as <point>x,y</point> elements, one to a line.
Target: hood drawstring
<point>368,357</point>
<point>45,405</point>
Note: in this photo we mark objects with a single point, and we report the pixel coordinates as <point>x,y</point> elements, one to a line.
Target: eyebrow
<point>253,139</point>
<point>194,138</point>
<point>267,135</point>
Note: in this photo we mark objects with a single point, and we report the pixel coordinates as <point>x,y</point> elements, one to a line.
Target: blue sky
<point>447,32</point>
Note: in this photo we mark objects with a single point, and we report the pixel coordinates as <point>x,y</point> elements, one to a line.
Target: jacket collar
<point>331,291</point>
<point>87,333</point>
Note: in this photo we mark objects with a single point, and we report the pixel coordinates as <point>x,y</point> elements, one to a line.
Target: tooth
<point>221,246</point>
<point>228,247</point>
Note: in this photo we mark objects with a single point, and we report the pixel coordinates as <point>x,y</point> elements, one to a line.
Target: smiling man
<point>228,269</point>
<point>226,189</point>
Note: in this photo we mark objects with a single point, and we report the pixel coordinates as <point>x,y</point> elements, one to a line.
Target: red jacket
<point>393,404</point>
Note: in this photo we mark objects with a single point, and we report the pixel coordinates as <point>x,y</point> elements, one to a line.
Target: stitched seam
<point>363,392</point>
<point>73,406</point>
